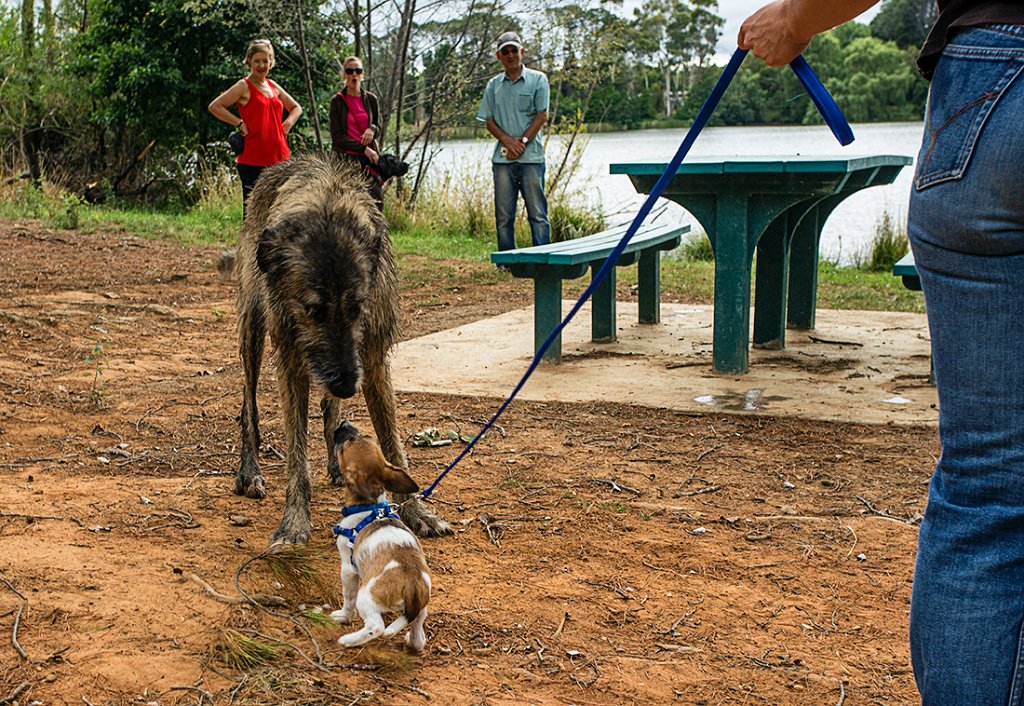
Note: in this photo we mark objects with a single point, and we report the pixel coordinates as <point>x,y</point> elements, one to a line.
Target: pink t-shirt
<point>358,118</point>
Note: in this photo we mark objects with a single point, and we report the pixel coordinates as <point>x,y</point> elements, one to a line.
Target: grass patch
<point>696,247</point>
<point>888,245</point>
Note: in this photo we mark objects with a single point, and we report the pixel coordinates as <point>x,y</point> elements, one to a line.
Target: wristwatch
<point>525,139</point>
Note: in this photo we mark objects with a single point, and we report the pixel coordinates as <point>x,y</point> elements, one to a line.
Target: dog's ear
<point>268,250</point>
<point>396,480</point>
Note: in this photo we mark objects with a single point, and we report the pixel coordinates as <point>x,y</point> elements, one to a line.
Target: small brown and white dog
<point>383,569</point>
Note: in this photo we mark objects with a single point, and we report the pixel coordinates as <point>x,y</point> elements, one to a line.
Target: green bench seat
<point>548,265</point>
<point>906,269</point>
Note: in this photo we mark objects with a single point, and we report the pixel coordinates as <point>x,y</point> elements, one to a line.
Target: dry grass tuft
<point>243,652</point>
<point>298,569</point>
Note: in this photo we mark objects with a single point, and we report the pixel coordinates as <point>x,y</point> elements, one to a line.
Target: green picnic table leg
<point>602,307</point>
<point>649,289</point>
<point>770,285</point>
<point>803,272</point>
<point>732,285</point>
<point>547,314</point>
<point>775,276</point>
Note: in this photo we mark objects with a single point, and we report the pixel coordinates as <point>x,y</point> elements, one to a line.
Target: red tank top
<point>265,144</point>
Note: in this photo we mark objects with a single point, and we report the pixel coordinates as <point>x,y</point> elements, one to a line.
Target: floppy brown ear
<point>398,481</point>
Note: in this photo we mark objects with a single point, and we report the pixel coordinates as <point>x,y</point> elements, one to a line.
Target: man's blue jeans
<point>513,179</point>
<point>966,224</point>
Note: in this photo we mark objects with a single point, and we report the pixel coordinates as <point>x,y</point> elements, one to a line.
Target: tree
<point>675,34</point>
<point>906,22</point>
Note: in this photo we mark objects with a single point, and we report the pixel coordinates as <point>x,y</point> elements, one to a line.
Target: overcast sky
<point>735,11</point>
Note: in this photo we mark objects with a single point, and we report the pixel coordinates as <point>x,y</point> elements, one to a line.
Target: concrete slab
<point>856,366</point>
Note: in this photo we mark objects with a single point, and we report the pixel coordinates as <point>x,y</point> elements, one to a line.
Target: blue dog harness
<point>377,511</point>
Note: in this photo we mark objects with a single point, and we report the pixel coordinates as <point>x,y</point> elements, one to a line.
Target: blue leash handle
<point>823,100</point>
<point>832,115</point>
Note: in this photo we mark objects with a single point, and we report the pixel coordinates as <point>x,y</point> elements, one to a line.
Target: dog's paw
<point>283,537</point>
<point>423,522</point>
<point>351,640</point>
<point>343,616</point>
<point>255,487</point>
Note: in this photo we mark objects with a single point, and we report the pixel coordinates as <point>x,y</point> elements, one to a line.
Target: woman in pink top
<point>261,105</point>
<point>355,125</point>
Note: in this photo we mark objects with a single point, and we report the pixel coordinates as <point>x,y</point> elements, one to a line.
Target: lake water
<point>848,230</point>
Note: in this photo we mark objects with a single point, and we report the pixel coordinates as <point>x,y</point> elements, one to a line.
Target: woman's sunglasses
<point>353,70</point>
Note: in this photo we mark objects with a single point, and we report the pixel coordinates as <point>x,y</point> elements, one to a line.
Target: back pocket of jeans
<point>966,88</point>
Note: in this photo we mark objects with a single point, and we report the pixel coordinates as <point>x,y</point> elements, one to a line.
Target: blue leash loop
<point>829,111</point>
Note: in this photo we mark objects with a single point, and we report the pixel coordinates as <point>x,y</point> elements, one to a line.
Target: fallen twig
<point>836,343</point>
<point>30,517</point>
<point>203,693</point>
<point>616,487</point>
<point>708,452</point>
<point>561,625</point>
<point>883,513</point>
<point>256,633</point>
<point>261,598</point>
<point>585,683</point>
<point>625,596</point>
<point>842,694</point>
<point>14,632</point>
<point>8,584</point>
<point>21,688</point>
<point>849,553</point>
<point>701,491</point>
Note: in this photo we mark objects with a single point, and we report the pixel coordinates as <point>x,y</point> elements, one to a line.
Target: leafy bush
<point>696,248</point>
<point>888,245</point>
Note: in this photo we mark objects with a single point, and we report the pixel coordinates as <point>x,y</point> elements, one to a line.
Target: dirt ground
<point>604,554</point>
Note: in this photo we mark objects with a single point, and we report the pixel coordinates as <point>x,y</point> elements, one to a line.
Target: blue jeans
<point>966,226</point>
<point>513,179</point>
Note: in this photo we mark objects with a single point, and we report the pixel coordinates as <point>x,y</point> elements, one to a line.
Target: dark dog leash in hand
<point>825,105</point>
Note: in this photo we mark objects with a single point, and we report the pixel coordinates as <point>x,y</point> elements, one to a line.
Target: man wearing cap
<point>515,108</point>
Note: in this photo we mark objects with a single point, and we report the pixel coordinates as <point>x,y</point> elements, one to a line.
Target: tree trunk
<point>306,75</point>
<point>28,28</point>
<point>357,34</point>
<point>49,33</point>
<point>368,45</point>
<point>667,79</point>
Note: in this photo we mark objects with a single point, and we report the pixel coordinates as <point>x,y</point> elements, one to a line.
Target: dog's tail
<point>416,597</point>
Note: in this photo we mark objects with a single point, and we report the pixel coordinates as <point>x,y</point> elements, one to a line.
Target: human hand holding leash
<point>780,31</point>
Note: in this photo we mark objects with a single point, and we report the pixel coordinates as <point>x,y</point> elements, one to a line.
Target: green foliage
<point>888,245</point>
<point>569,221</point>
<point>462,204</point>
<point>696,248</point>
<point>906,22</point>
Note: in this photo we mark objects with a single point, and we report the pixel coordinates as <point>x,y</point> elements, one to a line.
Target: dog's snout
<point>343,388</point>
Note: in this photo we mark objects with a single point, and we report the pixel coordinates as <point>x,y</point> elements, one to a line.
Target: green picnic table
<point>778,207</point>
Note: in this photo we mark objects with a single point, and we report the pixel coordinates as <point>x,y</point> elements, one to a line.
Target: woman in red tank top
<point>261,105</point>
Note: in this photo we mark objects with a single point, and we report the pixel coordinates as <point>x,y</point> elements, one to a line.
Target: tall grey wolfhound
<point>315,270</point>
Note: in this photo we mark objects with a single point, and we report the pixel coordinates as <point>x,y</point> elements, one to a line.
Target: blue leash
<point>829,111</point>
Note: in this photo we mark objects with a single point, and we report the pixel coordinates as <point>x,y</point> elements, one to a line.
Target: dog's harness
<point>377,511</point>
